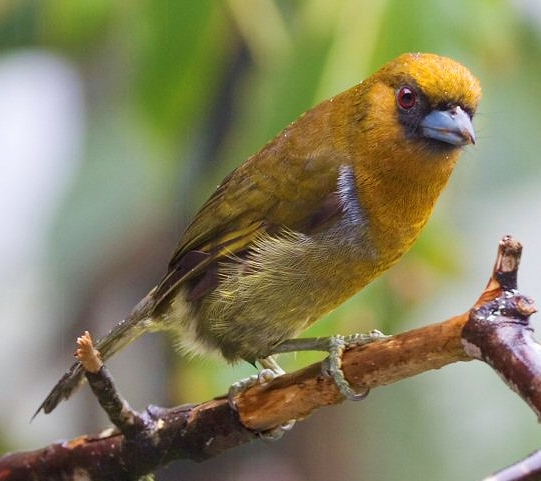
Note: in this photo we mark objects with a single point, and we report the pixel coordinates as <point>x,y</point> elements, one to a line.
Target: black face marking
<point>411,118</point>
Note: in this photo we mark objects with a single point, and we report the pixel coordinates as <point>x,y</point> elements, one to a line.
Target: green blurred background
<point>117,120</point>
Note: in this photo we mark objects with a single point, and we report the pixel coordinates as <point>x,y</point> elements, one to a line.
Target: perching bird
<point>330,203</point>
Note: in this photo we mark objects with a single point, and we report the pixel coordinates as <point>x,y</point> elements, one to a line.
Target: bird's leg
<point>271,369</point>
<point>335,346</point>
<point>332,366</point>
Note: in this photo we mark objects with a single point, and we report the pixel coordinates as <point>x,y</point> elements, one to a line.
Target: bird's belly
<point>282,286</point>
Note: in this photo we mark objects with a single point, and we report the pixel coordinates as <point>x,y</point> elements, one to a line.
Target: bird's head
<point>433,99</point>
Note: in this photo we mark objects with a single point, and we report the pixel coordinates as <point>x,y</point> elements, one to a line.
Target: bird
<point>325,207</point>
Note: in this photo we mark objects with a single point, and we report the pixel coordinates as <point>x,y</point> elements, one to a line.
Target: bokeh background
<point>117,120</point>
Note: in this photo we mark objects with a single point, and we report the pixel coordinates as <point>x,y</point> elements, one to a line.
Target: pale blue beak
<point>452,126</point>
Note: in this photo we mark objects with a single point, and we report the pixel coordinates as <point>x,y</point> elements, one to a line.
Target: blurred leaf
<point>181,50</point>
<point>19,23</point>
<point>78,27</point>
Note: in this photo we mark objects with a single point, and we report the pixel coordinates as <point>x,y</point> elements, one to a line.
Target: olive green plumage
<point>322,209</point>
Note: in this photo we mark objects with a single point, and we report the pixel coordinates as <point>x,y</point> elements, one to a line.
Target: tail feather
<point>121,335</point>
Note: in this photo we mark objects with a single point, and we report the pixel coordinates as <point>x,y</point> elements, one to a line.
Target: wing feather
<point>265,195</point>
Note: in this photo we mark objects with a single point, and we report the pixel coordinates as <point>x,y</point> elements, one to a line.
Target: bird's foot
<point>332,366</point>
<point>271,370</point>
<point>263,377</point>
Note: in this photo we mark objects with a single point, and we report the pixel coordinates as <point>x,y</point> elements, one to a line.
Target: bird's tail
<point>121,335</point>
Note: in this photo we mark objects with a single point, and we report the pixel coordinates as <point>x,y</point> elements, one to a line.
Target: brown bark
<point>496,331</point>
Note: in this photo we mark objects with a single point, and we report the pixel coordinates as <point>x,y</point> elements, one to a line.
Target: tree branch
<point>496,331</point>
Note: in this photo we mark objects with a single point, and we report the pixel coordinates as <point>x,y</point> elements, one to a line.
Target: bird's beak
<point>452,126</point>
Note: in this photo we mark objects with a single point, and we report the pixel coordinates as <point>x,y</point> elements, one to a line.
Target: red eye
<point>406,97</point>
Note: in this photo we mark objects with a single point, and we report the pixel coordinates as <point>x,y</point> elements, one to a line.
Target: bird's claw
<point>276,433</point>
<point>263,377</point>
<point>332,366</point>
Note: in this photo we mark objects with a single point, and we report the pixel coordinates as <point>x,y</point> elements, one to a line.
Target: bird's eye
<point>406,97</point>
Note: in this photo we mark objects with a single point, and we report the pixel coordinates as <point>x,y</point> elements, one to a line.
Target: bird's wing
<point>264,195</point>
